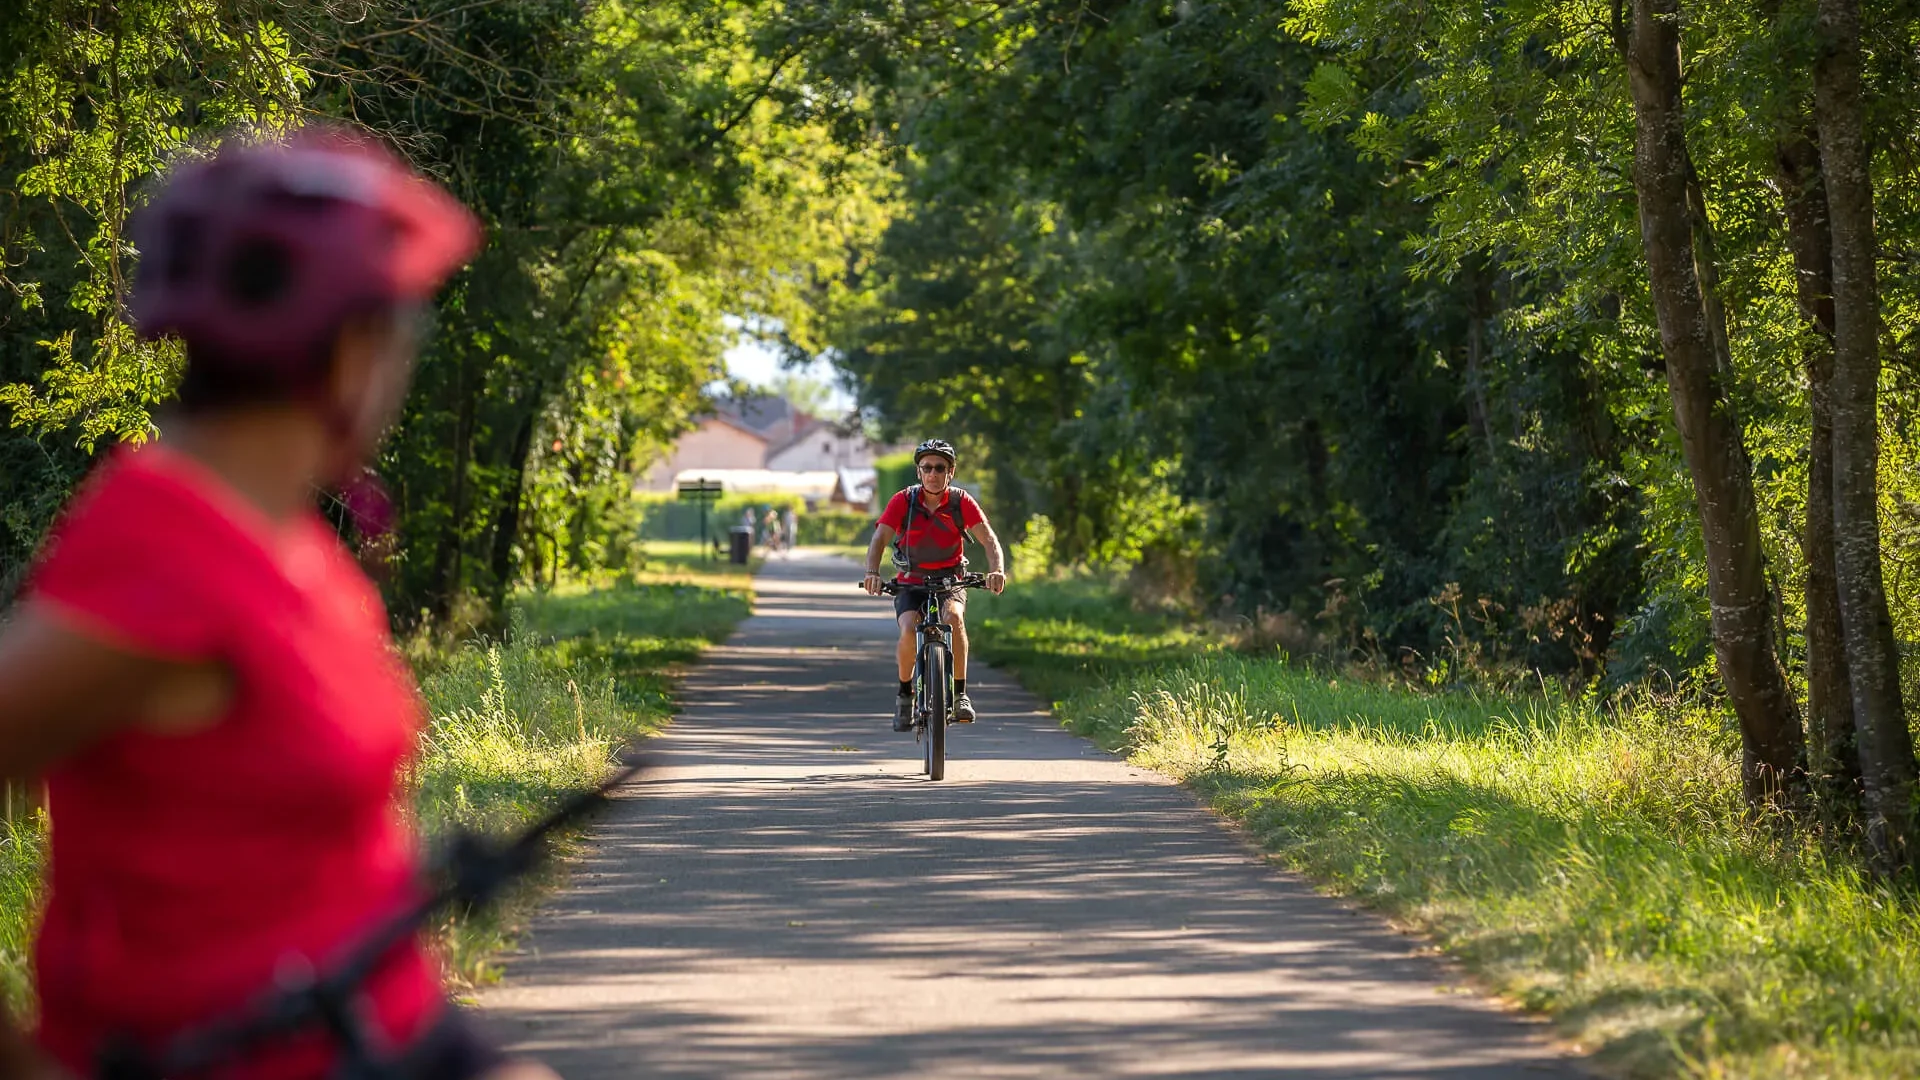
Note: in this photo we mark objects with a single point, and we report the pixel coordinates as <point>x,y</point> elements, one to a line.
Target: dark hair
<point>215,382</point>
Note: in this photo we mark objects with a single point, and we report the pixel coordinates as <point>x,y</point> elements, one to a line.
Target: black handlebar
<point>964,581</point>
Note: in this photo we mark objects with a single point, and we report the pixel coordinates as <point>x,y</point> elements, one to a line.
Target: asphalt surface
<point>785,896</point>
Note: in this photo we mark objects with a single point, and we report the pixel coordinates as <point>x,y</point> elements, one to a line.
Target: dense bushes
<point>666,517</point>
<point>837,527</point>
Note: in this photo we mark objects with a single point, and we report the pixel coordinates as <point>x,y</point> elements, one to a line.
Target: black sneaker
<point>903,713</point>
<point>963,710</point>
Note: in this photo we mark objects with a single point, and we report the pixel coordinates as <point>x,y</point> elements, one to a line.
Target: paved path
<point>784,897</point>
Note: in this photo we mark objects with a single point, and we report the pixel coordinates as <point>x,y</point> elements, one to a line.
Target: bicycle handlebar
<point>964,581</point>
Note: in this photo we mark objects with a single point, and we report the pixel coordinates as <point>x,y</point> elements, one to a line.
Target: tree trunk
<point>1829,687</point>
<point>447,561</point>
<point>506,519</point>
<point>1479,309</point>
<point>1743,640</point>
<point>1886,748</point>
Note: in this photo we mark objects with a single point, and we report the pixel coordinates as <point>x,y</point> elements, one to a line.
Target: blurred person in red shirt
<point>199,669</point>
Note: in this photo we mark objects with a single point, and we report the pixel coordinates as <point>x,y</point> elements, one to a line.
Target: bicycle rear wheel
<point>933,669</point>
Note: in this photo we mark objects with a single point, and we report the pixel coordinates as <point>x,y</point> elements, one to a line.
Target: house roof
<point>805,425</point>
<point>759,413</point>
<point>738,425</point>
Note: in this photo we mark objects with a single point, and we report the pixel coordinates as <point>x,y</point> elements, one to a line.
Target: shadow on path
<point>785,896</point>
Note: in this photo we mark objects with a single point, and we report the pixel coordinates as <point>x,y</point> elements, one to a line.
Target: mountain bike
<point>933,666</point>
<point>472,872</point>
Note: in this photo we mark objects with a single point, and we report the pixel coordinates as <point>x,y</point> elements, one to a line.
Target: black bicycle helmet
<point>936,446</point>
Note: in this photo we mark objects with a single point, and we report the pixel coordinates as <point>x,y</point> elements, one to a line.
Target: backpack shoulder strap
<point>955,498</point>
<point>913,503</point>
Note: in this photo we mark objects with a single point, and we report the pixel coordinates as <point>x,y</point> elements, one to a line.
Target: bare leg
<point>957,618</point>
<point>909,623</point>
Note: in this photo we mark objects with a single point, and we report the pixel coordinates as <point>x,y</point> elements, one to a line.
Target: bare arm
<point>984,535</point>
<point>876,549</point>
<point>59,691</point>
<point>62,689</point>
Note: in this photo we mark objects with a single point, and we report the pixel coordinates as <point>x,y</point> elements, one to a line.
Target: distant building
<point>855,487</point>
<point>767,434</point>
<point>718,443</point>
<point>820,445</point>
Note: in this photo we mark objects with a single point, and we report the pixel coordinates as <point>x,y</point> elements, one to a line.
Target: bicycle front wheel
<point>933,669</point>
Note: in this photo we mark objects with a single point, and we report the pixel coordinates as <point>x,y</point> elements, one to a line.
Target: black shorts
<point>914,598</point>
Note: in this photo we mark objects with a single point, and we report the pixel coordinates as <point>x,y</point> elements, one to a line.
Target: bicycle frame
<point>933,650</point>
<point>933,632</point>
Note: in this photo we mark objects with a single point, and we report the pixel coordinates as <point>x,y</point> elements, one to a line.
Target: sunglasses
<point>937,468</point>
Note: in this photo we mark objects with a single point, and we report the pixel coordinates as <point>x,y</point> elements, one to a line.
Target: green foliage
<point>1594,863</point>
<point>894,472</point>
<point>667,517</point>
<point>839,528</point>
<point>643,174</point>
<point>1031,556</point>
<point>22,854</point>
<point>92,100</point>
<point>1076,632</point>
<point>1199,335</point>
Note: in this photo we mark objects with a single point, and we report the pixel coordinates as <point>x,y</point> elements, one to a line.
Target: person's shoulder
<point>145,507</point>
<point>127,498</point>
<point>971,512</point>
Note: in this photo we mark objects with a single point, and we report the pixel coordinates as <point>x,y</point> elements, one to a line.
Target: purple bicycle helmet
<point>257,255</point>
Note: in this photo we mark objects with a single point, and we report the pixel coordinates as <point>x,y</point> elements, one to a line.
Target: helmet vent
<point>258,273</point>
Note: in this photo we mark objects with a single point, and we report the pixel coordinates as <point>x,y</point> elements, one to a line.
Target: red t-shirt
<point>184,869</point>
<point>932,544</point>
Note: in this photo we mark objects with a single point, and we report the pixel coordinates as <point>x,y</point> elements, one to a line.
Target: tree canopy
<point>1549,337</point>
<point>1552,336</point>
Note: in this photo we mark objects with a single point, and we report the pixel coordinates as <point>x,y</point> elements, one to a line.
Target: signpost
<point>706,493</point>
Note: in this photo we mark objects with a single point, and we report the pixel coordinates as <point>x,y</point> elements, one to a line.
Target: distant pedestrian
<point>772,531</point>
<point>793,528</point>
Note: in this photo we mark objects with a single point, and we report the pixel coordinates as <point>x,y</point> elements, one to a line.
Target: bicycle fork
<point>934,636</point>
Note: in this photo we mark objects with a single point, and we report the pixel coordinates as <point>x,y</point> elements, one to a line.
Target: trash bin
<point>742,540</point>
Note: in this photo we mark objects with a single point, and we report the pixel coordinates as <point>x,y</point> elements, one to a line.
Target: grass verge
<point>1591,864</point>
<point>516,725</point>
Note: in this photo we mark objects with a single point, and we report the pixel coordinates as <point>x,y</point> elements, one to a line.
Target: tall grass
<point>1591,863</point>
<point>21,850</point>
<point>516,725</point>
<point>519,724</point>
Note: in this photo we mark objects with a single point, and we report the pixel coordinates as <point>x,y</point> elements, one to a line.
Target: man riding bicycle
<point>927,525</point>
